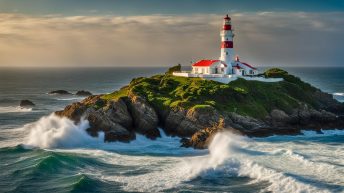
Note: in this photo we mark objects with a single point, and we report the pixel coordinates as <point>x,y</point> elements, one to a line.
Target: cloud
<point>264,38</point>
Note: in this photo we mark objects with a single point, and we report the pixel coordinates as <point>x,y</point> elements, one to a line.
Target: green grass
<point>201,107</point>
<point>252,98</point>
<point>123,92</point>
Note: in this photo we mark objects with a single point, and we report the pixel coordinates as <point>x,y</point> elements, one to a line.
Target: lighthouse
<point>227,51</point>
<point>227,68</point>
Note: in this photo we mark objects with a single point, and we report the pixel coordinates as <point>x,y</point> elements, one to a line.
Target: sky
<point>65,33</point>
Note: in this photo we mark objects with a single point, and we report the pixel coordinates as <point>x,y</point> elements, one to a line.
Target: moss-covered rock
<point>187,106</point>
<point>250,98</point>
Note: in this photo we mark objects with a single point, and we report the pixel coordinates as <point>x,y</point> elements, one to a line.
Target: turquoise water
<point>43,153</point>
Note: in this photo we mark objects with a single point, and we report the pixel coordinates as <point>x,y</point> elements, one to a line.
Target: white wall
<point>225,78</point>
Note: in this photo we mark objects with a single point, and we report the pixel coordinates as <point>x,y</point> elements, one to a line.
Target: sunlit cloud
<point>264,38</point>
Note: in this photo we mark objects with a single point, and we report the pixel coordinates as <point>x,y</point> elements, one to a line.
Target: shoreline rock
<point>83,93</point>
<point>26,103</point>
<point>145,119</point>
<point>141,108</point>
<point>61,92</point>
<point>121,119</point>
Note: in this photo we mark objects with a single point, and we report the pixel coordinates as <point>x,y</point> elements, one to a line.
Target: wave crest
<point>227,157</point>
<point>56,132</point>
<point>14,109</point>
<point>338,94</point>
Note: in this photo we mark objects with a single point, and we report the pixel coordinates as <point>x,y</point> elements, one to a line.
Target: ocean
<point>40,152</point>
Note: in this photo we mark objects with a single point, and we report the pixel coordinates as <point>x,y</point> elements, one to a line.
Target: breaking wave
<point>70,99</point>
<point>59,132</point>
<point>338,94</point>
<point>161,165</point>
<point>227,157</point>
<point>331,132</point>
<point>14,109</point>
<point>56,132</point>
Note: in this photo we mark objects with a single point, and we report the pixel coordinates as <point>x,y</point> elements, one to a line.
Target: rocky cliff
<point>196,109</point>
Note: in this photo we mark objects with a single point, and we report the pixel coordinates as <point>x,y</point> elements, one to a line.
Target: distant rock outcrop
<point>26,103</point>
<point>83,93</point>
<point>61,92</point>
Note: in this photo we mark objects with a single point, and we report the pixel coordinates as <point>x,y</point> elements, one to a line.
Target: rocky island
<point>195,109</point>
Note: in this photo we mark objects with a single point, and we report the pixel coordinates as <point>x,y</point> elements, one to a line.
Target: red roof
<point>237,67</point>
<point>248,65</point>
<point>203,63</point>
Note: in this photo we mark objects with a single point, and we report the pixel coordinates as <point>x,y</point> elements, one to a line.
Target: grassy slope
<point>252,98</point>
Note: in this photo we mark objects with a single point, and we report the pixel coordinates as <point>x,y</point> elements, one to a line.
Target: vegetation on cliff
<point>196,109</point>
<point>251,98</point>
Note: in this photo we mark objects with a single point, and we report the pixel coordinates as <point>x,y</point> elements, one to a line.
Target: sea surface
<point>40,152</point>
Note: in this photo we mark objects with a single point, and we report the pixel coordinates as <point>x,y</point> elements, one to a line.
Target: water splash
<point>227,157</point>
<point>56,132</point>
<point>338,94</point>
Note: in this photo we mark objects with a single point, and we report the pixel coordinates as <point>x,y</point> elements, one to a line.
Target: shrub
<point>174,69</point>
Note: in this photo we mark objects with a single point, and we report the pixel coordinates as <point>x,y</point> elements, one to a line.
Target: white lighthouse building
<point>227,51</point>
<point>228,67</point>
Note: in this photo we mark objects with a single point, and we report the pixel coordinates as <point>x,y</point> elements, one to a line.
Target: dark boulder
<point>120,134</point>
<point>244,123</point>
<point>73,111</point>
<point>61,92</point>
<point>110,117</point>
<point>83,93</point>
<point>185,123</point>
<point>202,138</point>
<point>26,103</point>
<point>269,131</point>
<point>113,131</point>
<point>118,112</point>
<point>144,117</point>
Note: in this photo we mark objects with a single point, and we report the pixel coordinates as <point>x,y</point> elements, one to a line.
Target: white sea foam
<point>331,132</point>
<point>14,109</point>
<point>279,182</point>
<point>226,147</point>
<point>291,154</point>
<point>229,155</point>
<point>70,99</point>
<point>338,94</point>
<point>226,158</point>
<point>308,134</point>
<point>56,132</point>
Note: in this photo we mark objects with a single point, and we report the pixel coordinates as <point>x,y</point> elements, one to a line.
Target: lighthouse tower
<point>227,51</point>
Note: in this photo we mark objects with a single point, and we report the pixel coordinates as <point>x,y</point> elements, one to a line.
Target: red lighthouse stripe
<point>227,44</point>
<point>227,27</point>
